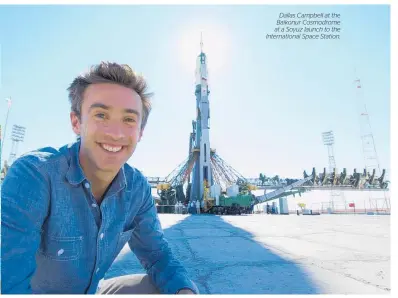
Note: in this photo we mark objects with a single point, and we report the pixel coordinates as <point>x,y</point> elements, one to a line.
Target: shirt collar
<point>75,174</point>
<point>118,184</point>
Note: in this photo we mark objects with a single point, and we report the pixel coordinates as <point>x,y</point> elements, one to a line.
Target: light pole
<point>5,130</point>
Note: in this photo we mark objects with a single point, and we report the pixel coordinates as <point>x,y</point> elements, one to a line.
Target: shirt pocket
<point>62,248</point>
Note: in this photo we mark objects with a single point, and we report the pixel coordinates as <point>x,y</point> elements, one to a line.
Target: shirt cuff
<point>178,283</point>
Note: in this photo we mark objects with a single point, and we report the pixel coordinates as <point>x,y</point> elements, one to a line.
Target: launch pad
<point>207,182</point>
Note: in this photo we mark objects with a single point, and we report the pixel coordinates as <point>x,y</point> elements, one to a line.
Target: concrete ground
<point>278,254</point>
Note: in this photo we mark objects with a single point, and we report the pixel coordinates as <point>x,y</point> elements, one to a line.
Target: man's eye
<point>132,120</point>
<point>100,115</point>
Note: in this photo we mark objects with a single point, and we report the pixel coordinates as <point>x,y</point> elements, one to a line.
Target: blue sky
<point>270,100</point>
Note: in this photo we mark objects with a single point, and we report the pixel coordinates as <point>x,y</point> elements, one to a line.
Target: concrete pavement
<point>277,254</point>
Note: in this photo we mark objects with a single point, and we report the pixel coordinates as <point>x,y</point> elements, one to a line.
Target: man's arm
<point>154,253</point>
<point>24,205</point>
<point>185,292</point>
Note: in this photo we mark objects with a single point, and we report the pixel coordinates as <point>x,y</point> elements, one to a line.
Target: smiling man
<point>66,214</point>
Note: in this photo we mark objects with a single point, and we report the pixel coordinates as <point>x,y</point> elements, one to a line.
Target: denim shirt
<point>57,239</point>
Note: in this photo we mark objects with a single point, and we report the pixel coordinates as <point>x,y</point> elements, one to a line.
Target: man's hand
<point>186,292</point>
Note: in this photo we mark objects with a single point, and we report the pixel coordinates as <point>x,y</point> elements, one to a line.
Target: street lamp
<point>2,138</point>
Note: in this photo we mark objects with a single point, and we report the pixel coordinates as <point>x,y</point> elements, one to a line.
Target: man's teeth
<point>110,148</point>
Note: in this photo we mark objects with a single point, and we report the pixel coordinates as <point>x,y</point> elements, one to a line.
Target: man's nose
<point>115,131</point>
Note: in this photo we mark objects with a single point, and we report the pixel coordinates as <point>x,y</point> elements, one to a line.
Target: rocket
<point>202,173</point>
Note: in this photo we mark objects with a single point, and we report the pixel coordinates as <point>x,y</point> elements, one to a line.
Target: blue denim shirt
<point>56,239</point>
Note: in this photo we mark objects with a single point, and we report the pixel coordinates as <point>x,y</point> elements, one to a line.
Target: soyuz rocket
<point>202,172</point>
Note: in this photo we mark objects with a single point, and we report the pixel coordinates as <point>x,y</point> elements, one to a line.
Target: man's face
<point>110,126</point>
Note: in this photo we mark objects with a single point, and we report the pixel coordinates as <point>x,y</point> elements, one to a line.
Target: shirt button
<point>60,252</point>
<point>94,205</point>
<point>86,185</point>
<point>102,235</point>
<point>96,271</point>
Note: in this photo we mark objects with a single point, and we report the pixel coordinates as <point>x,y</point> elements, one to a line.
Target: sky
<point>270,100</point>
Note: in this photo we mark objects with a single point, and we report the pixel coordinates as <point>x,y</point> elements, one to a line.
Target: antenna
<point>371,158</point>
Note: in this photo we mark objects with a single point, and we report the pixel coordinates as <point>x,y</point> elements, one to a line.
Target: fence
<point>375,206</point>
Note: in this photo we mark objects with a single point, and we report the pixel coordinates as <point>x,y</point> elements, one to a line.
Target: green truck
<point>239,204</point>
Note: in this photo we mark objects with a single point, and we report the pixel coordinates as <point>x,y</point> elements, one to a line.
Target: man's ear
<point>74,119</point>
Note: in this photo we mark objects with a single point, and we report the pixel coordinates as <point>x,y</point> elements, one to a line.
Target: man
<point>66,214</point>
<point>197,207</point>
<point>193,207</point>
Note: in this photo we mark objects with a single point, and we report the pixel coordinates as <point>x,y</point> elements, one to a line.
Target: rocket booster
<point>202,87</point>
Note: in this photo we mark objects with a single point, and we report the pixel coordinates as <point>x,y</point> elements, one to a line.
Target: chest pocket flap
<point>61,248</point>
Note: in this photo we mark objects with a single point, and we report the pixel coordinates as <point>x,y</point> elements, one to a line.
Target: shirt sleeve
<point>24,205</point>
<point>153,251</point>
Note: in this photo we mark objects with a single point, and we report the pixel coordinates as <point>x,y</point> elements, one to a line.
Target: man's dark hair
<point>107,72</point>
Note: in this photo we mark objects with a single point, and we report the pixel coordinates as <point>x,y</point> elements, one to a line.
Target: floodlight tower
<point>17,136</point>
<point>328,140</point>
